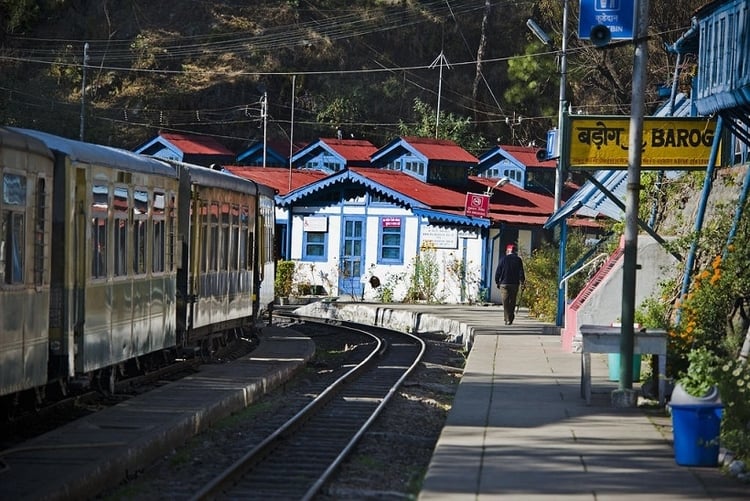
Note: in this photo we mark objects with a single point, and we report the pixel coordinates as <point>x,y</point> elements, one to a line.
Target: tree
<point>452,127</point>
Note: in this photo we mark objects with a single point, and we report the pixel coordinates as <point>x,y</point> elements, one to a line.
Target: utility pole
<point>624,396</point>
<point>291,132</point>
<point>561,109</point>
<point>264,116</point>
<point>440,60</point>
<point>83,88</point>
<point>560,154</point>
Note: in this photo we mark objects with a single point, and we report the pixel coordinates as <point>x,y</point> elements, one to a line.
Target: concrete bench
<point>605,339</point>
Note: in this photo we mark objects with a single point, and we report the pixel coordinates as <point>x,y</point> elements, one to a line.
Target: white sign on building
<point>440,236</point>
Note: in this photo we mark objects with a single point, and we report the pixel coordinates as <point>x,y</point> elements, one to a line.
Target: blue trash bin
<point>696,425</point>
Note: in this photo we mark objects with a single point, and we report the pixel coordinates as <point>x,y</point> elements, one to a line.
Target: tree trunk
<point>480,53</point>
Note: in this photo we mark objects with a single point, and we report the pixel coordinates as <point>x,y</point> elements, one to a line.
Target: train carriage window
<point>39,230</point>
<point>158,211</point>
<point>213,237</point>
<point>224,232</point>
<point>243,241</point>
<point>204,235</point>
<point>234,237</point>
<point>120,247</point>
<point>99,208</point>
<point>171,242</point>
<point>13,235</point>
<point>140,224</point>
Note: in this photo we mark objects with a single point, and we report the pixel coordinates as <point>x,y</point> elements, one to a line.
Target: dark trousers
<point>509,295</point>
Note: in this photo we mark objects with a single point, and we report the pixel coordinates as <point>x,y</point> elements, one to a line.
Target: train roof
<point>205,176</point>
<point>19,141</point>
<point>99,154</point>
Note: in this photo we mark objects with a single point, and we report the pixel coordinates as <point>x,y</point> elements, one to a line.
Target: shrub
<point>284,278</point>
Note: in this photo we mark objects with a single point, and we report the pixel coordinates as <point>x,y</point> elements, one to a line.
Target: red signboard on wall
<point>477,204</point>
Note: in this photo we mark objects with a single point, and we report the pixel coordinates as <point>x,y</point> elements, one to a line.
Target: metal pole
<point>264,114</point>
<point>291,133</point>
<point>640,60</point>
<point>561,155</point>
<point>83,88</point>
<point>561,108</point>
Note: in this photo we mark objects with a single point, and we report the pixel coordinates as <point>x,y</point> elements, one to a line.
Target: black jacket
<point>510,270</point>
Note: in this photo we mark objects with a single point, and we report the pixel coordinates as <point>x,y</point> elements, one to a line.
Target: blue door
<point>352,256</point>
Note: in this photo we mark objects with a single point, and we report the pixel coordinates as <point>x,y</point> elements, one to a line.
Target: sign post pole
<point>624,396</point>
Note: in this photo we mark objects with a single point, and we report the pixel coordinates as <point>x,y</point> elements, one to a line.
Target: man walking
<point>509,277</point>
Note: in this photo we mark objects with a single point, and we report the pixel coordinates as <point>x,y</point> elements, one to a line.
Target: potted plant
<point>284,280</point>
<point>697,411</point>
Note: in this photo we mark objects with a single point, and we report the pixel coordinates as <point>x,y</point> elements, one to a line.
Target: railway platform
<point>81,459</point>
<point>519,428</point>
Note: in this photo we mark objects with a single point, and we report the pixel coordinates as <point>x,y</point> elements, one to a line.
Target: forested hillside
<point>371,67</point>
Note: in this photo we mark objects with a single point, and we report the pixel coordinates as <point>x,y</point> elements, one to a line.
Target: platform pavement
<point>520,430</point>
<point>96,452</point>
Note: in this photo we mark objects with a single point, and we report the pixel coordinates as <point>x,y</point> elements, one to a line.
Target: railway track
<point>36,420</point>
<point>295,460</point>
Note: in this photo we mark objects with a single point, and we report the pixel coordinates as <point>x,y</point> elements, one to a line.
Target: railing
<point>564,282</point>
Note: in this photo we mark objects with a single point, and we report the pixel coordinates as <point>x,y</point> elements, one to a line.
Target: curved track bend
<point>295,461</point>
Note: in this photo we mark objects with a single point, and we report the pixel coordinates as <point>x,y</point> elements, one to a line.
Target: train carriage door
<point>352,256</point>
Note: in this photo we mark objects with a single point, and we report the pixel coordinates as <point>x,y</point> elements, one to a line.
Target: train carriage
<point>26,166</point>
<point>224,267</point>
<point>113,273</point>
<point>112,261</point>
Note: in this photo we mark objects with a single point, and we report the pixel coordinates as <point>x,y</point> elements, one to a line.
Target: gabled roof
<point>189,144</point>
<point>356,176</point>
<point>254,154</point>
<point>521,156</point>
<point>509,203</point>
<point>278,178</point>
<point>350,151</point>
<point>430,195</point>
<point>441,150</point>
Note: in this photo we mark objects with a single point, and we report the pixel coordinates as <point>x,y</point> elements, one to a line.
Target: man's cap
<point>510,247</point>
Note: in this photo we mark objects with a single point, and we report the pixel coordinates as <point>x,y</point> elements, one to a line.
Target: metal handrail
<point>564,281</point>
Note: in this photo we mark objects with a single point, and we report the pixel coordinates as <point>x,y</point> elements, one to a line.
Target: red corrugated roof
<point>527,156</point>
<point>196,145</point>
<point>440,149</point>
<point>434,196</point>
<point>509,203</point>
<point>352,150</point>
<point>277,178</point>
<point>512,198</point>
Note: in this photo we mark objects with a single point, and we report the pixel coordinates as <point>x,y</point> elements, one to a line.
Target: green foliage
<point>700,376</point>
<point>284,278</point>
<point>541,268</point>
<point>733,380</point>
<point>705,341</point>
<point>18,15</point>
<point>532,76</point>
<point>453,127</point>
<point>425,276</point>
<point>386,288</point>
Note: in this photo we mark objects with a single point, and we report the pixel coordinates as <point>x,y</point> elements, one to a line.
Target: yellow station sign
<point>601,142</point>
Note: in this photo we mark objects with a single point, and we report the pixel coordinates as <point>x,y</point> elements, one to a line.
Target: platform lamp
<point>500,182</point>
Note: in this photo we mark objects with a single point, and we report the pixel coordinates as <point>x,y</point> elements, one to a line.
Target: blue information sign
<point>552,144</point>
<point>617,15</point>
